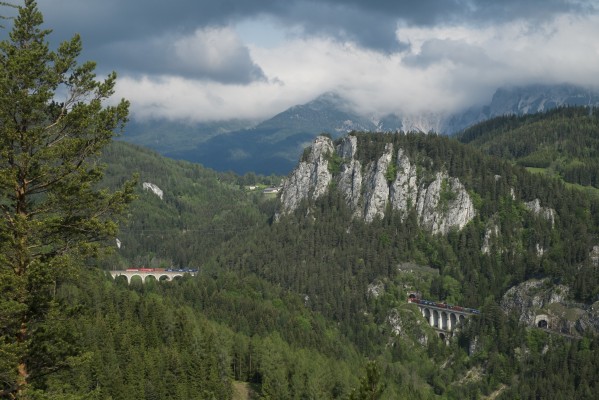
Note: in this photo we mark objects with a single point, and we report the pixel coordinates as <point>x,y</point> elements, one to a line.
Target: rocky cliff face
<point>544,212</point>
<point>390,180</point>
<point>542,304</point>
<point>594,255</point>
<point>311,178</point>
<point>154,189</point>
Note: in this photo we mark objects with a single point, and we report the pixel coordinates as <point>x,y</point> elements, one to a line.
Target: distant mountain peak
<point>275,144</point>
<point>327,100</point>
<point>535,98</point>
<point>324,102</point>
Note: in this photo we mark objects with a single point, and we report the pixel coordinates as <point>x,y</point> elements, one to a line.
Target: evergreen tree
<point>53,215</point>
<point>370,386</point>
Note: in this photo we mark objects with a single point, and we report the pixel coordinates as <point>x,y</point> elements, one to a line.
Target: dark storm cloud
<point>187,56</point>
<point>373,23</point>
<point>137,36</point>
<point>432,12</point>
<point>125,34</point>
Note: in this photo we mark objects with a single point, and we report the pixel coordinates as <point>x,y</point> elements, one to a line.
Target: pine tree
<point>53,123</point>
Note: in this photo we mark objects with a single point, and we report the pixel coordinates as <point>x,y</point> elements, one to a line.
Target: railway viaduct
<point>443,317</point>
<point>164,275</point>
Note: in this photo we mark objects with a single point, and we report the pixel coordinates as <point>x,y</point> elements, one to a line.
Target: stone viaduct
<point>443,317</point>
<point>164,275</point>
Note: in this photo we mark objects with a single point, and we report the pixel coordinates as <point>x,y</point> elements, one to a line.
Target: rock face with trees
<point>540,303</point>
<point>389,179</point>
<point>312,306</point>
<point>53,122</point>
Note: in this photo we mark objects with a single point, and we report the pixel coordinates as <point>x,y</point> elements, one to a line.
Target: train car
<point>146,269</point>
<point>132,270</point>
<point>443,305</point>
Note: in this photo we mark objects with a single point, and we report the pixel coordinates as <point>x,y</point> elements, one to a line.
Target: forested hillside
<point>390,266</point>
<point>329,262</point>
<point>199,208</point>
<point>562,142</point>
<point>314,305</point>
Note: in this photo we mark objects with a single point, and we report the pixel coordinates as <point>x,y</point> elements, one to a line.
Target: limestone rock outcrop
<point>444,205</point>
<point>540,303</point>
<point>404,190</point>
<point>594,255</point>
<point>311,177</point>
<point>377,189</point>
<point>390,180</point>
<point>529,297</point>
<point>154,189</point>
<point>350,177</point>
<point>491,233</point>
<point>544,212</point>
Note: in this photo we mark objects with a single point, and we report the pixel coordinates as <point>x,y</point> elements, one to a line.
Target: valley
<point>396,237</point>
<point>327,275</point>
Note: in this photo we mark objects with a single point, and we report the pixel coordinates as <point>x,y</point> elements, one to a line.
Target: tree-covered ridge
<point>323,253</point>
<point>288,307</point>
<point>200,209</point>
<point>191,339</point>
<point>310,307</point>
<point>564,141</point>
<point>499,191</point>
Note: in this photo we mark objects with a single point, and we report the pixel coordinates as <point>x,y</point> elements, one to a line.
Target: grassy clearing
<point>593,191</point>
<point>241,391</point>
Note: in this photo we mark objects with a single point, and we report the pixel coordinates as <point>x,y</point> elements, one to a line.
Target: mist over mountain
<point>524,100</point>
<point>274,145</point>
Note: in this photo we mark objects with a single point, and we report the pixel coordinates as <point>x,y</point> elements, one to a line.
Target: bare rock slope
<point>390,180</point>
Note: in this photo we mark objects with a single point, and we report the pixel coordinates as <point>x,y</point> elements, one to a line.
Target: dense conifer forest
<point>306,305</point>
<point>563,142</point>
<point>286,308</point>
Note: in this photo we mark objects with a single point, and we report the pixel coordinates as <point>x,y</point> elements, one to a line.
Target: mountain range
<point>274,145</point>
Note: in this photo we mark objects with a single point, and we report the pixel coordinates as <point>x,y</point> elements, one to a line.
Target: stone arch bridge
<point>159,274</point>
<point>441,316</point>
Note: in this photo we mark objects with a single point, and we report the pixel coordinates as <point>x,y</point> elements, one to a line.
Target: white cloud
<point>446,69</point>
<point>210,49</point>
<point>181,98</point>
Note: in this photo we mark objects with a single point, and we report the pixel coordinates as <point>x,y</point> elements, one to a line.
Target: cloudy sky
<point>205,60</point>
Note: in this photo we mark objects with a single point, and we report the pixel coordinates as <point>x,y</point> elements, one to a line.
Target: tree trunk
<point>22,379</point>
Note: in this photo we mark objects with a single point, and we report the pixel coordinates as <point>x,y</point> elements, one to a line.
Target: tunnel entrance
<point>542,324</point>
